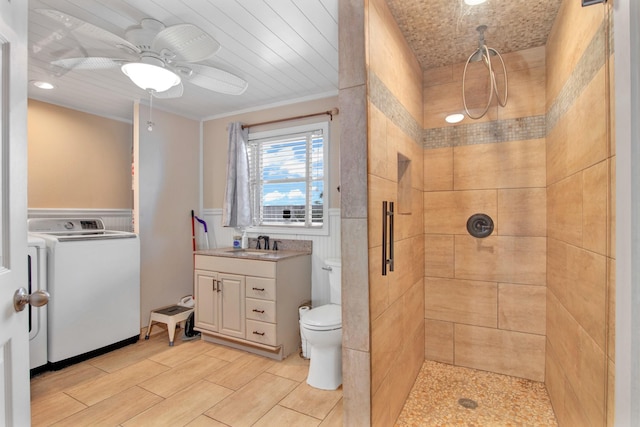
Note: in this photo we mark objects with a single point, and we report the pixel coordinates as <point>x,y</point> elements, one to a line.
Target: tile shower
<point>535,299</point>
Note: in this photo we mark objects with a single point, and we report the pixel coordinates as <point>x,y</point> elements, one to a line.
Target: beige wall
<point>383,329</point>
<point>485,298</point>
<point>167,189</point>
<point>77,160</point>
<point>215,141</point>
<point>581,260</point>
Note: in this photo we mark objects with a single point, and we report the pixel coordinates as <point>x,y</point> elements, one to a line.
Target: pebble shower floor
<point>443,395</point>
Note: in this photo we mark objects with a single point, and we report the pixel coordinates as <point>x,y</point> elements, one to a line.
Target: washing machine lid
<point>35,242</point>
<point>324,317</point>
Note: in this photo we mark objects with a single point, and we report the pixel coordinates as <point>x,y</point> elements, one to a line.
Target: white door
<point>14,334</point>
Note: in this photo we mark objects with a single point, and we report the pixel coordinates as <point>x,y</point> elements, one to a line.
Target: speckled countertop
<point>256,254</point>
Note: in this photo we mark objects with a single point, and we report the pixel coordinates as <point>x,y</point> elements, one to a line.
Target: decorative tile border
<point>486,133</point>
<point>592,61</point>
<point>392,108</point>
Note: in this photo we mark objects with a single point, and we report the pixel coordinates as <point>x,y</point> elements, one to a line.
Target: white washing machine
<point>37,273</point>
<point>94,283</point>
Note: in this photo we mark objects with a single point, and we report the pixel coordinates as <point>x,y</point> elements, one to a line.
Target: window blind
<point>287,179</point>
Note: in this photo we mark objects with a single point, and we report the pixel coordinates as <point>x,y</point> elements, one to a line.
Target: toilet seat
<point>324,318</point>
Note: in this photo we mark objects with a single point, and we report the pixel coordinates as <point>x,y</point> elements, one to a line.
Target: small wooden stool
<point>171,315</point>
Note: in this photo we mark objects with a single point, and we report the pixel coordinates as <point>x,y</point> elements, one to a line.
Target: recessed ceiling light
<point>43,85</point>
<point>474,2</point>
<point>454,118</point>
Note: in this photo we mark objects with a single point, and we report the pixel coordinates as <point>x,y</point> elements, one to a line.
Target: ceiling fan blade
<point>90,63</point>
<point>174,92</point>
<point>87,32</point>
<point>217,80</point>
<point>187,42</point>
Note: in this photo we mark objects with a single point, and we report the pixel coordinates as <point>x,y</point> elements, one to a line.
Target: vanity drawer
<point>259,309</point>
<point>261,332</point>
<point>260,288</point>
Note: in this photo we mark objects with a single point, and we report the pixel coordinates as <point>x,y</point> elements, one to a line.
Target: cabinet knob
<point>258,289</point>
<point>258,333</point>
<point>258,311</point>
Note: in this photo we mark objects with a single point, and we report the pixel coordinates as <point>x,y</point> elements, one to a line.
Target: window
<point>289,177</point>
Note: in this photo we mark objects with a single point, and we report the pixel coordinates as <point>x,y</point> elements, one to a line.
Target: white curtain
<point>236,210</point>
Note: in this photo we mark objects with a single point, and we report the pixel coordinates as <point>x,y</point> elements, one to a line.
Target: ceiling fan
<point>157,58</point>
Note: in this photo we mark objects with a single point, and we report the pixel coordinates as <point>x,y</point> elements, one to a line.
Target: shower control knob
<point>37,299</point>
<point>480,225</point>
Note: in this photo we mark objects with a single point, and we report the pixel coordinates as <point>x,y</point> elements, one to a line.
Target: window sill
<point>264,229</point>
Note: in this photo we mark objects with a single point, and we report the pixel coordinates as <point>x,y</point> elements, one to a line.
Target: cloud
<point>295,194</point>
<point>281,198</point>
<point>274,196</point>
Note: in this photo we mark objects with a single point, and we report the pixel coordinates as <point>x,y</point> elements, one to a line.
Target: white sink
<point>241,252</point>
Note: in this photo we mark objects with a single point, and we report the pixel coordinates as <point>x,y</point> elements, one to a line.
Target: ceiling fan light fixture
<point>150,77</point>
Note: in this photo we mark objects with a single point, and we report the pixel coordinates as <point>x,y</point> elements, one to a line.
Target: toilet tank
<point>334,267</point>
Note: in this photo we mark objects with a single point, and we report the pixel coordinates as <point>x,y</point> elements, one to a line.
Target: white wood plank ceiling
<point>286,50</point>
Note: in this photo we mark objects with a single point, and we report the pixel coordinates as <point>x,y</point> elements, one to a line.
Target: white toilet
<point>322,328</point>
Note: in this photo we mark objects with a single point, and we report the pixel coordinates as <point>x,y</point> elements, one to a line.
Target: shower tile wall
<point>381,159</point>
<point>356,355</point>
<point>394,148</point>
<point>485,299</point>
<point>581,260</point>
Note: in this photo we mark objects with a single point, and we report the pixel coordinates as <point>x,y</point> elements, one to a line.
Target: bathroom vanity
<point>249,299</point>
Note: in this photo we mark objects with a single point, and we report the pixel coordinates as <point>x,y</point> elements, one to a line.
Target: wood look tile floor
<point>193,383</point>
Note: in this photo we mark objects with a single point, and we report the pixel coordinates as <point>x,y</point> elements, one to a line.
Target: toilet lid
<point>326,316</point>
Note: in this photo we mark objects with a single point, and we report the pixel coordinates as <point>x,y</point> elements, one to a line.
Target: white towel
<point>236,210</point>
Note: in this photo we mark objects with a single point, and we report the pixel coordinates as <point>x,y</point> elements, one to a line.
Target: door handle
<point>37,299</point>
<point>387,229</point>
<point>391,232</point>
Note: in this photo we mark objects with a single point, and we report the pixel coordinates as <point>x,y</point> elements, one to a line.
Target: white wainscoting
<point>114,219</point>
<point>323,246</point>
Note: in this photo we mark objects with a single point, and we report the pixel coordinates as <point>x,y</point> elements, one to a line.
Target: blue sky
<point>286,160</point>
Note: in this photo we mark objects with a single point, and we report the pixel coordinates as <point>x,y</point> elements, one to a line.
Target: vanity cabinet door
<point>232,305</point>
<point>206,316</point>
